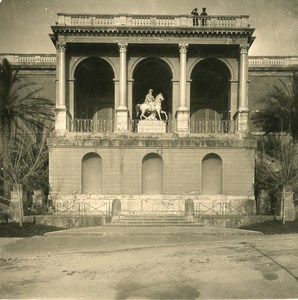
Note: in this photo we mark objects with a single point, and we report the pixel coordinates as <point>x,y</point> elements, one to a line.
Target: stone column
<point>60,110</point>
<point>243,97</point>
<point>121,111</point>
<point>71,96</point>
<point>129,97</point>
<point>183,111</point>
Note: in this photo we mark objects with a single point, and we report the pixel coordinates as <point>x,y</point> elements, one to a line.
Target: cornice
<point>153,31</point>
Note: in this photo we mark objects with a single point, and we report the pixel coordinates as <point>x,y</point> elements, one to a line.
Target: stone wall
<point>122,164</point>
<point>204,205</point>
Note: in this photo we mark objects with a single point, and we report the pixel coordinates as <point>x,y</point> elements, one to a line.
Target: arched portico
<point>209,96</point>
<point>94,95</point>
<point>152,73</point>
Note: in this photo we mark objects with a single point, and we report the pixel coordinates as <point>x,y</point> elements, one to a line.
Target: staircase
<point>156,221</point>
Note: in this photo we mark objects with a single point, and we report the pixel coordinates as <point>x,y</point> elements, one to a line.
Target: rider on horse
<point>150,99</point>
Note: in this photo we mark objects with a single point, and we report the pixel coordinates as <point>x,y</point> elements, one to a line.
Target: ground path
<point>109,264</point>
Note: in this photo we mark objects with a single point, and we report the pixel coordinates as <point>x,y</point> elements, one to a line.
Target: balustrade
<point>30,59</point>
<point>151,20</point>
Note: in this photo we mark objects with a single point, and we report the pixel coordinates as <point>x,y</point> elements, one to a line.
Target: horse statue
<point>153,108</point>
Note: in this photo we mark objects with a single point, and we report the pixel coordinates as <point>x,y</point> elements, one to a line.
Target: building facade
<point>199,150</point>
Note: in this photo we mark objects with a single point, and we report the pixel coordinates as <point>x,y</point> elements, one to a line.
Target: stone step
<point>140,220</point>
<point>155,225</point>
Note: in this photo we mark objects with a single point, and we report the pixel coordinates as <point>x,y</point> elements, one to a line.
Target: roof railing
<point>127,20</point>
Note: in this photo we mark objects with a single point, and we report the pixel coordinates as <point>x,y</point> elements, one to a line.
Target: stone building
<point>200,150</point>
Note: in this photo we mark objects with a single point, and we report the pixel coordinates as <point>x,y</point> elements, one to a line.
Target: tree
<point>277,165</point>
<point>23,113</point>
<point>279,109</point>
<point>27,168</point>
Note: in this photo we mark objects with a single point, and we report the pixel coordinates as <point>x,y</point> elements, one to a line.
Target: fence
<point>225,209</point>
<point>89,125</point>
<point>82,208</point>
<point>208,126</point>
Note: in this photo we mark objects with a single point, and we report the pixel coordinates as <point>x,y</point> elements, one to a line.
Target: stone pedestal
<point>61,119</point>
<point>243,121</point>
<point>289,206</point>
<point>263,203</point>
<point>151,126</point>
<point>122,120</point>
<point>38,202</point>
<point>183,121</point>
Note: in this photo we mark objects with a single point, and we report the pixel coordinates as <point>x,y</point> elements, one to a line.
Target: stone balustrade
<point>50,59</point>
<point>30,59</point>
<point>150,20</point>
<point>272,61</point>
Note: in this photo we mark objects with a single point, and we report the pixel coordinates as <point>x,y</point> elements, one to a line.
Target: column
<point>60,110</point>
<point>243,97</point>
<point>121,111</point>
<point>183,111</point>
<point>71,96</point>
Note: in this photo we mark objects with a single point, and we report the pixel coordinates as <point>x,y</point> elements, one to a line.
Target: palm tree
<point>279,109</point>
<point>23,113</point>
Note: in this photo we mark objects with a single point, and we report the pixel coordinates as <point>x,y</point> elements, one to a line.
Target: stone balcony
<point>127,20</point>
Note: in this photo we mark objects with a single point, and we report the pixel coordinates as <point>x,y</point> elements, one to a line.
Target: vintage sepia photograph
<point>149,149</point>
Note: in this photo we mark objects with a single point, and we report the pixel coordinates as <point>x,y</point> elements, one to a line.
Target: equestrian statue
<point>151,105</point>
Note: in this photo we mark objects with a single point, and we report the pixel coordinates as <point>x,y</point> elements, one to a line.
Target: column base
<point>182,120</point>
<point>242,121</point>
<point>61,119</point>
<point>121,119</point>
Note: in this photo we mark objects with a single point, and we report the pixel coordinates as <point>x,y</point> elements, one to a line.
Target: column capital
<point>183,47</point>
<point>122,47</point>
<point>244,48</point>
<point>61,46</point>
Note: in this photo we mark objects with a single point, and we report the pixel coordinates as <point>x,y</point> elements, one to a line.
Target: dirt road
<point>151,267</point>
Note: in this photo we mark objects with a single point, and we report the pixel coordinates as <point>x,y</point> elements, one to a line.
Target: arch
<point>212,174</point>
<point>77,62</point>
<point>152,73</point>
<point>152,174</point>
<point>94,92</point>
<point>223,60</point>
<point>140,59</point>
<point>92,175</point>
<point>210,86</point>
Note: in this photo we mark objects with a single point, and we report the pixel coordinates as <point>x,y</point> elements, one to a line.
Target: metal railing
<point>82,209</point>
<point>208,126</point>
<point>224,209</point>
<point>239,21</point>
<point>90,125</point>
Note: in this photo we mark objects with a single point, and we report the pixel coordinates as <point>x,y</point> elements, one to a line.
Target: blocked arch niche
<point>92,173</point>
<point>212,174</point>
<point>152,174</point>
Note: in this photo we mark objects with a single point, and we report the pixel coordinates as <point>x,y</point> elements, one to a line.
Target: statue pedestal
<point>151,126</point>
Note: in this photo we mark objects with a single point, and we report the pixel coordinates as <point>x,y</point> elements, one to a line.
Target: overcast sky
<point>25,24</point>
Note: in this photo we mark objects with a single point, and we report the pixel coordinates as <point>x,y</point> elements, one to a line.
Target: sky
<point>25,24</point>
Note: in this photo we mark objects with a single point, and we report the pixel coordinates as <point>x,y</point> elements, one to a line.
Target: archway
<point>153,73</point>
<point>209,99</point>
<point>94,93</point>
<point>91,173</point>
<point>152,174</point>
<point>211,174</point>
